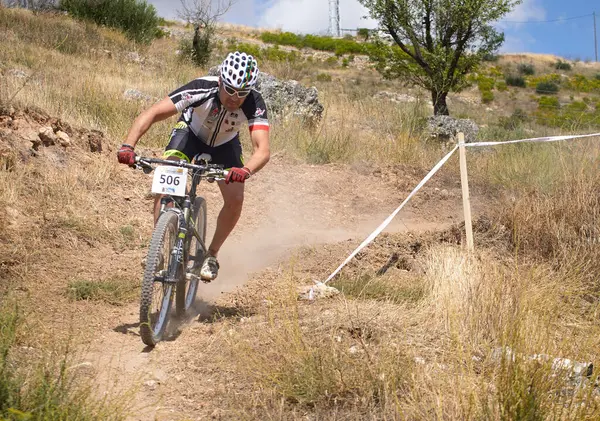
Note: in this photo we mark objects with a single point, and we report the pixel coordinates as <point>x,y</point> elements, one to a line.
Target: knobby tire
<point>153,328</point>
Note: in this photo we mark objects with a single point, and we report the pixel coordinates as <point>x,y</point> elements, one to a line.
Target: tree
<point>435,44</point>
<point>203,15</point>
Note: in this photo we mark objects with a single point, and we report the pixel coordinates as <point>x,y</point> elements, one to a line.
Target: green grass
<point>368,287</point>
<point>318,372</point>
<point>38,388</point>
<point>114,290</point>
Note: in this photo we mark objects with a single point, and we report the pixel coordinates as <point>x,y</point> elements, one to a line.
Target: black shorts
<point>185,145</point>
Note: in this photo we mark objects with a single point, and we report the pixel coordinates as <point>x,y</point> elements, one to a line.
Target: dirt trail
<point>286,206</point>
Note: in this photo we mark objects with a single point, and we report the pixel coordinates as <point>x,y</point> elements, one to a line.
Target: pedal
<point>191,277</point>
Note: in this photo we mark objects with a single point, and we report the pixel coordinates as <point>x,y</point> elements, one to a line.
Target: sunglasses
<point>241,93</point>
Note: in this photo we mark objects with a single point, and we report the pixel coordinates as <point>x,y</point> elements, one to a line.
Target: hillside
<point>421,329</point>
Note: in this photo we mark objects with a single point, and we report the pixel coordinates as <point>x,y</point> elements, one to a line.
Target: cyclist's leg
<point>233,200</point>
<point>183,144</point>
<point>229,155</point>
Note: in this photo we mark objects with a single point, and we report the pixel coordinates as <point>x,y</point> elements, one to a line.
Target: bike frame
<point>182,206</point>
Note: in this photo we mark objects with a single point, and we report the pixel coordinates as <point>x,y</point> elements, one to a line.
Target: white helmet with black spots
<point>239,70</point>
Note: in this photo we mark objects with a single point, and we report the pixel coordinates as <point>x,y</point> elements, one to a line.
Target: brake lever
<point>143,165</point>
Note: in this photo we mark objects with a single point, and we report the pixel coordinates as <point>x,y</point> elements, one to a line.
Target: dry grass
<point>438,359</point>
<point>416,347</point>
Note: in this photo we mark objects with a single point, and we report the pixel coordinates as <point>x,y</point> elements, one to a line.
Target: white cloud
<point>517,39</point>
<point>311,16</point>
<point>306,16</point>
<point>520,43</point>
<point>528,10</point>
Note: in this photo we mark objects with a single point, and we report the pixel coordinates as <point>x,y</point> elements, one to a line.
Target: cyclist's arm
<point>157,112</point>
<point>262,153</point>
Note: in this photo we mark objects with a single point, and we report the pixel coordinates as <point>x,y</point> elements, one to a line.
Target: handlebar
<point>214,171</point>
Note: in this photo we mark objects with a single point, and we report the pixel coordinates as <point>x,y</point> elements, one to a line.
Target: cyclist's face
<point>231,102</point>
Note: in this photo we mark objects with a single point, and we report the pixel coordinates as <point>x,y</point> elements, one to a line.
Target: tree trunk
<point>439,103</point>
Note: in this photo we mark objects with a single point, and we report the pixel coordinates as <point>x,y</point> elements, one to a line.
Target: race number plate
<point>169,180</point>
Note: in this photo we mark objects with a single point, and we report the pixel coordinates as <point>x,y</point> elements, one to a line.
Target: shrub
<point>485,83</point>
<point>546,88</point>
<point>491,57</point>
<point>495,72</point>
<point>331,61</point>
<point>581,83</point>
<point>516,119</point>
<point>501,86</point>
<point>324,77</point>
<point>597,76</point>
<point>136,18</point>
<point>363,33</point>
<point>345,62</point>
<point>548,103</point>
<point>324,43</point>
<point>270,53</point>
<point>526,69</point>
<point>198,52</point>
<point>515,80</point>
<point>562,65</point>
<point>487,96</point>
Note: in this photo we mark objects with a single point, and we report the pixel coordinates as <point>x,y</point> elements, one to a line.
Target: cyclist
<point>212,111</point>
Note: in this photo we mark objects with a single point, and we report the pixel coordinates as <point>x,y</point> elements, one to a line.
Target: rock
<point>7,111</point>
<point>395,97</point>
<point>444,128</point>
<point>134,56</point>
<point>151,384</point>
<point>285,98</point>
<point>47,136</point>
<point>135,95</point>
<point>63,139</point>
<point>318,291</point>
<point>59,125</point>
<point>35,140</point>
<point>19,74</point>
<point>571,370</point>
<point>95,141</point>
<point>5,121</point>
<point>420,360</point>
<point>173,32</point>
<point>354,349</point>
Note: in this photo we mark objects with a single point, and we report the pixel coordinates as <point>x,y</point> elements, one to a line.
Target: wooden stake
<point>464,180</point>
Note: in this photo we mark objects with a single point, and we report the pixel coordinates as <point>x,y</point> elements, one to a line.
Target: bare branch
<point>204,13</point>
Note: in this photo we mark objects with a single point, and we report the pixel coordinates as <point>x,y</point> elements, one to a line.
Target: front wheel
<point>157,295</point>
<point>186,291</point>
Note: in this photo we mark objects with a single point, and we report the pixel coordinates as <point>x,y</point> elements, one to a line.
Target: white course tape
<point>389,219</point>
<point>535,139</point>
<point>435,169</point>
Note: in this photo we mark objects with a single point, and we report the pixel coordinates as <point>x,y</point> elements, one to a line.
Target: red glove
<point>126,155</point>
<point>237,175</point>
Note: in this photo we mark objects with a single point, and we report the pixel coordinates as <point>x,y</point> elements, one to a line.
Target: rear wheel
<point>186,291</point>
<point>157,295</point>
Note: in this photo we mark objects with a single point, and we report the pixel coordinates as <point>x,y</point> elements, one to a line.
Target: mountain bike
<point>177,247</point>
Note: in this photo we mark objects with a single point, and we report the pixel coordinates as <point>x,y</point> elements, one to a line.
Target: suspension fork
<point>176,261</point>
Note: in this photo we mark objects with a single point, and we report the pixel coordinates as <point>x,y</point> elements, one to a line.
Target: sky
<point>534,26</point>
